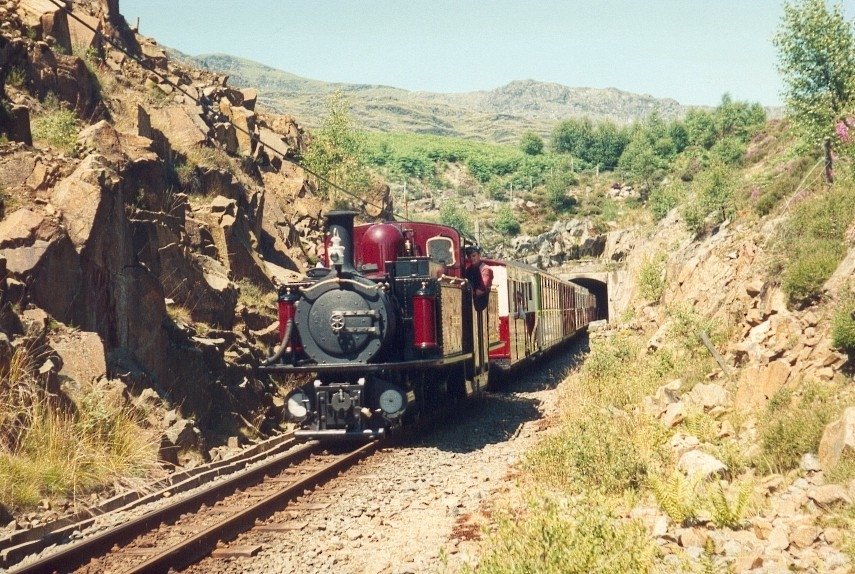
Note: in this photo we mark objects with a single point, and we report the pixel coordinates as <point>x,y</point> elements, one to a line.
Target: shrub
<point>452,216</point>
<point>531,144</point>
<point>567,538</point>
<point>506,222</point>
<point>804,276</point>
<point>843,326</point>
<point>651,277</point>
<point>793,426</point>
<point>729,150</point>
<point>712,198</point>
<point>687,326</point>
<point>417,165</point>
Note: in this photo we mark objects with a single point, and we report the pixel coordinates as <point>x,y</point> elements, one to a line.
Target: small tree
<point>700,127</point>
<point>608,142</point>
<point>556,191</point>
<point>816,57</point>
<point>531,144</point>
<point>335,152</point>
<point>573,136</point>
<point>640,163</point>
<point>454,217</point>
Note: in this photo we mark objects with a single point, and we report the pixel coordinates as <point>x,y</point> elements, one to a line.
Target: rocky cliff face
<point>141,236</point>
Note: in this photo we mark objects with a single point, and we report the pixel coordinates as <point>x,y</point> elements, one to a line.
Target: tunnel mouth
<point>600,291</point>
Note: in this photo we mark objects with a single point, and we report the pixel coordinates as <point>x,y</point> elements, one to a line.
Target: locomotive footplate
<point>364,367</point>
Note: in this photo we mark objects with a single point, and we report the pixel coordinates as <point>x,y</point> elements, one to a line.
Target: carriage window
<point>441,250</point>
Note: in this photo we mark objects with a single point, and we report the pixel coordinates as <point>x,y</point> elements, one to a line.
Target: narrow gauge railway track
<point>29,542</point>
<point>180,534</point>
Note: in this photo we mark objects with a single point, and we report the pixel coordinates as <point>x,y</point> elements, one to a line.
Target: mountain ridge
<point>499,115</point>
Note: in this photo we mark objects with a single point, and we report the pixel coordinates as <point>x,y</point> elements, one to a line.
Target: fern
<point>677,496</point>
<point>712,564</point>
<point>727,513</point>
<point>701,425</point>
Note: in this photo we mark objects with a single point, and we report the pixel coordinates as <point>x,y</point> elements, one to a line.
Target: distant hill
<point>499,115</point>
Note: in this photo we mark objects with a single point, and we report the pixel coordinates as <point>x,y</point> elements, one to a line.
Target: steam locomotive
<point>388,332</point>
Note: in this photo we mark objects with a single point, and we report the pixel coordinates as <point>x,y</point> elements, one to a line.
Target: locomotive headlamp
<point>336,249</point>
<point>391,401</point>
<point>297,405</point>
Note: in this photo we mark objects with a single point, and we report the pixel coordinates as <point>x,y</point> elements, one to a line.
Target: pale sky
<point>690,50</point>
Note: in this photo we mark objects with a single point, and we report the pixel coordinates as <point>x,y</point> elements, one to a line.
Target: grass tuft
<point>50,449</point>
<point>56,125</point>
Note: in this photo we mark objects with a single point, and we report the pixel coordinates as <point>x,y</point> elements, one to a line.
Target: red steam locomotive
<point>388,331</point>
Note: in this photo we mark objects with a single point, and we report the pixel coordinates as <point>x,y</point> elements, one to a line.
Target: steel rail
<point>200,545</point>
<point>23,543</point>
<point>78,553</point>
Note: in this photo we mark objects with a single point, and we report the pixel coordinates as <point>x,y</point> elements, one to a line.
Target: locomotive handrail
<point>339,280</point>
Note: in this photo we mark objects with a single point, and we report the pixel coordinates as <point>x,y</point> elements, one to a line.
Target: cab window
<point>441,250</point>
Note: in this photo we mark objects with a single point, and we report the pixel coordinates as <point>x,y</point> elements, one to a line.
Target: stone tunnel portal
<point>600,290</point>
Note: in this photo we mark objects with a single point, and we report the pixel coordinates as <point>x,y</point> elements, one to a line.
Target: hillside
<point>500,115</point>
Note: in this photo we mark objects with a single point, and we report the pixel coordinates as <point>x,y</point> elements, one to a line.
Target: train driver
<point>480,276</point>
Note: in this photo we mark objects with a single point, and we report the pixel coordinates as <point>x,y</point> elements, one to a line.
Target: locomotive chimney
<point>340,251</point>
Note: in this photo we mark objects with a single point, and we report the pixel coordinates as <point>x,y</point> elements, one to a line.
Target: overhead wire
<point>195,98</point>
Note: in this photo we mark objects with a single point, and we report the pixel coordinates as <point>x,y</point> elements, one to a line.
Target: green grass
<point>253,296</point>
<point>17,77</point>
<point>595,453</point>
<point>782,183</point>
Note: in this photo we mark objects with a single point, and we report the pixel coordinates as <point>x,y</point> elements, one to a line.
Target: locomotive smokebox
<point>340,236</point>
